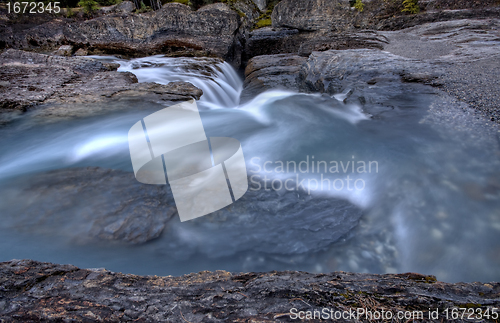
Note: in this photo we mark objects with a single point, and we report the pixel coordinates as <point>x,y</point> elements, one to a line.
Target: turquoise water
<point>429,192</point>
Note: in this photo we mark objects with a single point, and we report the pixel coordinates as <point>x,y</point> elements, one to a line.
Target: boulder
<point>81,52</point>
<point>459,56</point>
<point>270,41</point>
<point>65,203</point>
<point>124,7</point>
<point>85,204</point>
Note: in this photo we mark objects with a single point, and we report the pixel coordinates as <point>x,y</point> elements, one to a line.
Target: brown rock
<point>81,52</point>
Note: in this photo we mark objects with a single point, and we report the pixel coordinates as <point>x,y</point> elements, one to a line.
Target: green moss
<point>430,279</point>
<point>411,6</point>
<point>186,2</point>
<point>359,5</point>
<point>89,6</point>
<point>263,23</point>
<point>70,13</point>
<point>241,13</point>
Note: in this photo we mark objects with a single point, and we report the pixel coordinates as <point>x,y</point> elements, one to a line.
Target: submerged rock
<point>65,50</point>
<point>36,291</point>
<point>89,203</point>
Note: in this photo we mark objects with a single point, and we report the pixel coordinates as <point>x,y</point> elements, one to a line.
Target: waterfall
<point>219,82</point>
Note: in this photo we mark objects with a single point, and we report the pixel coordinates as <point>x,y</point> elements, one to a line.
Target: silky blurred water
<point>431,200</point>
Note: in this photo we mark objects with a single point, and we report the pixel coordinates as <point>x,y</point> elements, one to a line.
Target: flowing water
<point>426,179</point>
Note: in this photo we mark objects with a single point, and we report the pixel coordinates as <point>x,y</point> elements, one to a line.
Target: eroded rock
<point>39,291</point>
<point>271,72</point>
<point>31,79</point>
<point>459,56</point>
<point>310,15</point>
<point>174,29</point>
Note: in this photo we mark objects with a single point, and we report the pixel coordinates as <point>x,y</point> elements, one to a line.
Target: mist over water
<point>430,183</point>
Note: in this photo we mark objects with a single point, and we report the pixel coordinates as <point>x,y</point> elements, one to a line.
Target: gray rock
<point>124,7</point>
<point>66,81</point>
<point>271,72</point>
<point>261,4</point>
<point>40,291</point>
<point>310,15</point>
<point>174,29</point>
<point>467,51</point>
<point>459,56</point>
<point>269,41</point>
<point>81,52</point>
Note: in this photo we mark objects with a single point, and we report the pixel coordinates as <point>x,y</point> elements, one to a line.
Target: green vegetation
<point>143,8</point>
<point>359,5</point>
<point>411,6</point>
<point>70,13</point>
<point>264,19</point>
<point>89,6</point>
<point>263,23</point>
<point>186,2</point>
<point>108,2</point>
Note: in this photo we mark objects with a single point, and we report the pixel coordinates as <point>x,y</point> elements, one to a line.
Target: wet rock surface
<point>34,291</point>
<point>30,79</point>
<point>459,57</point>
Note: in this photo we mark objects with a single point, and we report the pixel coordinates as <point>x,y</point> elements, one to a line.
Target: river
<point>422,186</point>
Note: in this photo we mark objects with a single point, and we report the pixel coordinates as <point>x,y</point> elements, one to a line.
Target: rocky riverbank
<point>75,87</point>
<point>450,49</point>
<point>453,45</point>
<point>33,291</point>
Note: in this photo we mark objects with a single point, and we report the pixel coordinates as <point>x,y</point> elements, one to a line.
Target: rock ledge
<point>33,291</point>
